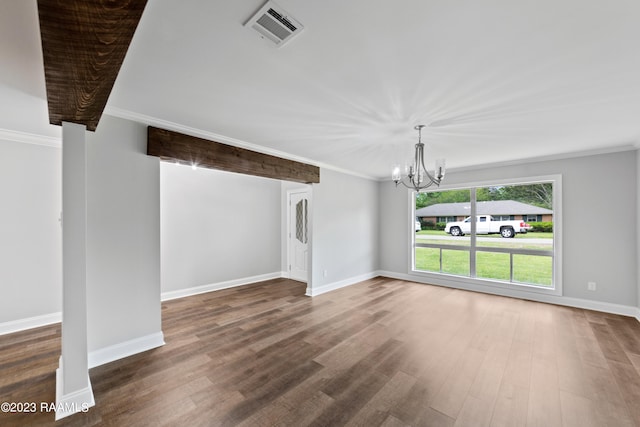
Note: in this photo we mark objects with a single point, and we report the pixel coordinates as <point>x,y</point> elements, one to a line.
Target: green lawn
<point>515,243</point>
<point>531,269</point>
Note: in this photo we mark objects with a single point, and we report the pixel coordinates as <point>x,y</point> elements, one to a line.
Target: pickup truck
<point>486,224</point>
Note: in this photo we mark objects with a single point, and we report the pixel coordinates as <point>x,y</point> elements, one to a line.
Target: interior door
<point>298,235</point>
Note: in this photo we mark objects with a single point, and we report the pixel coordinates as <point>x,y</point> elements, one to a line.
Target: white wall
<point>217,227</point>
<point>345,230</point>
<point>393,230</point>
<point>598,192</point>
<point>30,232</point>
<point>123,235</point>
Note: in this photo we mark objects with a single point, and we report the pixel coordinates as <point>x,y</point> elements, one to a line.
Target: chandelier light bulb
<point>395,174</point>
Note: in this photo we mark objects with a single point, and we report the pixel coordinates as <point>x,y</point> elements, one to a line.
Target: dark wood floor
<point>381,353</point>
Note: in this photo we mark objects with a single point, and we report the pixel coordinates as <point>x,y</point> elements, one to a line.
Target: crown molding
<point>551,157</point>
<point>187,130</point>
<point>559,156</point>
<point>30,138</point>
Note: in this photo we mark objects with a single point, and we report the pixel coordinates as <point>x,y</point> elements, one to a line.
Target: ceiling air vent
<point>274,24</point>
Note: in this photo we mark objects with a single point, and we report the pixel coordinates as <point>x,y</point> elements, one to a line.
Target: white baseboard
<point>29,323</point>
<point>74,402</point>
<point>606,307</point>
<point>624,310</point>
<point>312,291</point>
<point>181,293</point>
<point>125,349</point>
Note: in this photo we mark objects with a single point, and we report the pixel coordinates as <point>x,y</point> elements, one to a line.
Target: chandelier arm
<point>414,186</point>
<point>403,183</point>
<point>431,177</point>
<point>422,187</point>
<point>416,161</point>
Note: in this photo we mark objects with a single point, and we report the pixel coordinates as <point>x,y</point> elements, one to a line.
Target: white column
<point>73,386</point>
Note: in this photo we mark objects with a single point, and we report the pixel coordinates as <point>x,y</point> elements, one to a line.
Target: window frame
<point>484,284</point>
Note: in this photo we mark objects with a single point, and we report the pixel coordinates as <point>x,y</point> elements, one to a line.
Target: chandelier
<point>417,176</point>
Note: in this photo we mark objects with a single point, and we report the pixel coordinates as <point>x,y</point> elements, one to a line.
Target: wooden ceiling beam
<point>186,149</point>
<point>84,43</point>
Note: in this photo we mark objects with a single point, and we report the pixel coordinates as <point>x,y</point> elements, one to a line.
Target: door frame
<point>288,231</point>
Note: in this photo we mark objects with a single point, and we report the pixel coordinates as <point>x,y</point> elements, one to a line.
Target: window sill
<point>485,285</point>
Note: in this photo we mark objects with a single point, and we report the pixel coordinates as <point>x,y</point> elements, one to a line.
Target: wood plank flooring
<point>380,353</point>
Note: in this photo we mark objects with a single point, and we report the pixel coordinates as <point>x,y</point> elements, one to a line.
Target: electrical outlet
<point>591,286</point>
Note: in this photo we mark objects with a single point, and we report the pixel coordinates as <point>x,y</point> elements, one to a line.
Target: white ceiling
<point>498,80</point>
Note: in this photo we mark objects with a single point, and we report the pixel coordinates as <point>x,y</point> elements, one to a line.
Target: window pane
<point>455,262</point>
<point>533,269</point>
<point>428,259</point>
<point>435,209</point>
<point>301,221</point>
<point>493,265</point>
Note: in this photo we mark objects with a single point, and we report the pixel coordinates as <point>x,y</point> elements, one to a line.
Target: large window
<point>500,247</point>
